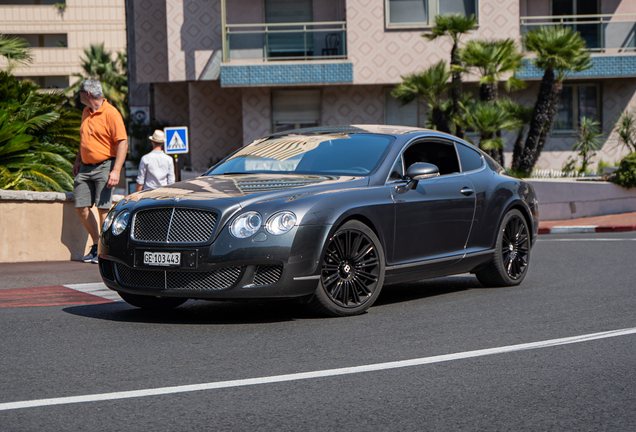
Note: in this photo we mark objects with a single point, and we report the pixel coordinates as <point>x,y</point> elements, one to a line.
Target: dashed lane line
<point>310,375</point>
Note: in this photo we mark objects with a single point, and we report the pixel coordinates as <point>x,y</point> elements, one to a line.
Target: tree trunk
<point>440,120</point>
<point>489,93</point>
<point>518,148</point>
<point>539,120</point>
<point>456,92</point>
<point>547,129</point>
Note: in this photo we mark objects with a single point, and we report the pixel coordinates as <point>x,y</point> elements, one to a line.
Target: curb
<point>586,229</point>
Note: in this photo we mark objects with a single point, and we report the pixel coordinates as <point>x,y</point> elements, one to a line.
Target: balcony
<point>603,34</point>
<point>263,42</point>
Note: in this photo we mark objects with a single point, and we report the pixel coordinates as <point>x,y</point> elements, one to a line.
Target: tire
<point>152,303</point>
<point>510,264</point>
<point>352,272</point>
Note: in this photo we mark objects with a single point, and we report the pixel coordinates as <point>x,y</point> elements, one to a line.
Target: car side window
<point>471,160</point>
<point>438,153</point>
<point>397,172</point>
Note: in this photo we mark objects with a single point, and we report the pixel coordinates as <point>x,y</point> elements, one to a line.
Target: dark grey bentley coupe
<point>324,215</point>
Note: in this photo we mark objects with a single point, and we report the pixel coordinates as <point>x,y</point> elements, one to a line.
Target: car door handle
<point>466,191</point>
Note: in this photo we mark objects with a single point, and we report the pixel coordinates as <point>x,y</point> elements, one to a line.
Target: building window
<point>44,40</point>
<point>421,13</point>
<point>398,114</point>
<point>47,82</point>
<point>577,101</point>
<point>294,109</point>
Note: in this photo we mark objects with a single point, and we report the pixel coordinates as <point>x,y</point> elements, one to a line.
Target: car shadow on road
<point>266,311</point>
<point>422,289</point>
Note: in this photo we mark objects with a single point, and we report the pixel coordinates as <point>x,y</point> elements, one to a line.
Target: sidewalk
<point>606,223</point>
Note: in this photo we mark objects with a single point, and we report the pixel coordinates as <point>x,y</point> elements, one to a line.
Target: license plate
<point>163,259</point>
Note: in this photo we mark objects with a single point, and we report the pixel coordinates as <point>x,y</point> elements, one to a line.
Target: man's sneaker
<point>92,255</point>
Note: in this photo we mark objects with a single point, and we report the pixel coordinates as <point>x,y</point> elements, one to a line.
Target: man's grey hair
<point>93,86</point>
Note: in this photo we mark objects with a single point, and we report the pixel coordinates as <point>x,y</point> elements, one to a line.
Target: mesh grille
<point>178,225</point>
<point>267,275</point>
<point>197,281</point>
<point>106,267</point>
<point>140,278</point>
<point>214,280</point>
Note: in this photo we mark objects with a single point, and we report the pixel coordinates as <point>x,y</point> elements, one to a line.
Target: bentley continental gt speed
<point>326,215</point>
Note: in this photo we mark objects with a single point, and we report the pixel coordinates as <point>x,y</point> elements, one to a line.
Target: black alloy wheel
<point>512,253</point>
<point>352,272</point>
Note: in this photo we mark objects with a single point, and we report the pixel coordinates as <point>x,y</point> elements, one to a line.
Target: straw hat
<point>158,136</point>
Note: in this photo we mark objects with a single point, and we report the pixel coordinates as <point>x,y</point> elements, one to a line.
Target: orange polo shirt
<point>100,132</point>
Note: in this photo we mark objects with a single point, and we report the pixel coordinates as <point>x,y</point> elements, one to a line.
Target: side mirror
<point>421,171</point>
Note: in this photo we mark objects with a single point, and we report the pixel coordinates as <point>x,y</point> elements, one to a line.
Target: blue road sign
<point>176,140</point>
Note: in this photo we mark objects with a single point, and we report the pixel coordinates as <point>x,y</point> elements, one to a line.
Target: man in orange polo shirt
<point>103,148</point>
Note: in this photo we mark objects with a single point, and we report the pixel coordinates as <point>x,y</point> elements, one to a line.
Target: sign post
<point>176,144</point>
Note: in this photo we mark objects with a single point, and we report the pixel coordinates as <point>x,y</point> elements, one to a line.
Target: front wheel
<point>352,272</point>
<point>512,253</point>
<point>152,303</point>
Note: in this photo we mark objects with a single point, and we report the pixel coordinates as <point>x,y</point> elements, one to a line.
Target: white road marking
<point>97,289</point>
<point>310,375</point>
<point>588,239</point>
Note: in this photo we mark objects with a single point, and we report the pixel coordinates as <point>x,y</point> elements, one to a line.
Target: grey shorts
<point>90,185</point>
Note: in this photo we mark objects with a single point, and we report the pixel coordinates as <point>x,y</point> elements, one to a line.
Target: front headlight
<point>246,225</point>
<point>108,220</point>
<point>280,223</point>
<point>121,222</point>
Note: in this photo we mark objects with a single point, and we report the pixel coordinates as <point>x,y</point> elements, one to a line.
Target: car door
<point>434,218</point>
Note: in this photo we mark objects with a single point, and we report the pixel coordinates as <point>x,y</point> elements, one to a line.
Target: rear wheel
<point>152,303</point>
<point>512,253</point>
<point>352,272</point>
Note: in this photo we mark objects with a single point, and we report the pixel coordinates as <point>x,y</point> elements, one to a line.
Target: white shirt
<point>155,169</point>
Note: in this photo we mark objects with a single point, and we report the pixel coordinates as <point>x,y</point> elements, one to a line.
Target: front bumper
<point>262,266</point>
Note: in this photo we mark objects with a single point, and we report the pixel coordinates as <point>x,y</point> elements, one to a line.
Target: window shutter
<point>296,106</point>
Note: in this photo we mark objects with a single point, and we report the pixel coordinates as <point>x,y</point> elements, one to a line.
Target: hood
<point>245,189</point>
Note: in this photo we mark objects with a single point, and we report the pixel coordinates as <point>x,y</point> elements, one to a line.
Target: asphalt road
<point>578,285</point>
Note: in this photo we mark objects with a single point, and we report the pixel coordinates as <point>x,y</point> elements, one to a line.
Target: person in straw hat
<point>156,168</point>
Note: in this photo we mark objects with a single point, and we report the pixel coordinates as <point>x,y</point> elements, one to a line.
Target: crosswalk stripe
<point>97,289</point>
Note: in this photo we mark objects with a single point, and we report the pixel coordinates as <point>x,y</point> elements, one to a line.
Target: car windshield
<point>330,154</point>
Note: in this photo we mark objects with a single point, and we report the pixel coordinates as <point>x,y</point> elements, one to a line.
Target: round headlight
<point>246,225</point>
<point>108,220</point>
<point>121,222</point>
<point>280,223</point>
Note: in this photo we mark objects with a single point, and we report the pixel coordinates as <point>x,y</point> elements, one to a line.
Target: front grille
<point>173,225</point>
<point>106,267</point>
<point>267,275</point>
<point>214,280</point>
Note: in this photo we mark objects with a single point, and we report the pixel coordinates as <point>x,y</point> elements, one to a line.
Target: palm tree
<point>487,118</point>
<point>493,60</point>
<point>99,64</point>
<point>16,50</point>
<point>454,26</point>
<point>432,85</point>
<point>523,115</point>
<point>38,138</point>
<point>626,129</point>
<point>589,141</point>
<point>26,164</point>
<point>559,52</point>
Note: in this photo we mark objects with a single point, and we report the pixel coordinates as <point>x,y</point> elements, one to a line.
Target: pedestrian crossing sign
<point>176,140</point>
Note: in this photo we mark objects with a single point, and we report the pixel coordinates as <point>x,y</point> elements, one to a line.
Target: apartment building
<point>58,31</point>
<point>234,70</point>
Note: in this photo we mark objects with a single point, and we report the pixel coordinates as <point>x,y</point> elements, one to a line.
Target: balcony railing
<point>286,41</point>
<point>608,33</point>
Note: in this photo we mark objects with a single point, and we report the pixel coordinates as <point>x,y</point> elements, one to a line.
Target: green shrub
<point>626,174</point>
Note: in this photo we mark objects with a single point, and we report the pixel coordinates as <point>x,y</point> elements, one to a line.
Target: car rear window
<point>331,154</point>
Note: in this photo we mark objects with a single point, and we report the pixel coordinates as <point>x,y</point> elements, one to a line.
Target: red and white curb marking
<point>57,295</point>
<point>586,229</point>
